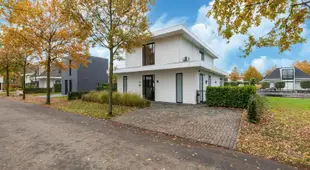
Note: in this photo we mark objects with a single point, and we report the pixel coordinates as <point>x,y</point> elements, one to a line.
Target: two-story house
<point>174,66</point>
<point>85,78</point>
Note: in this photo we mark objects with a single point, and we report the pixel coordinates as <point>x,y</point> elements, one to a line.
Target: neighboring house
<point>174,66</point>
<point>85,78</point>
<point>241,79</point>
<point>31,77</point>
<point>290,75</point>
<point>1,83</point>
<point>55,78</point>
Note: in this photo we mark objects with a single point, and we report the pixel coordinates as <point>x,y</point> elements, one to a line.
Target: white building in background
<point>1,83</point>
<point>290,75</point>
<point>174,66</point>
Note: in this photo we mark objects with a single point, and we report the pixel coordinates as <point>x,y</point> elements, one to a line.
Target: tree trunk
<point>48,73</point>
<point>24,78</point>
<point>7,80</point>
<point>110,80</point>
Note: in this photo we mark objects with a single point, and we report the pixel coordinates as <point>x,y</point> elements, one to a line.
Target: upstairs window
<point>148,54</point>
<point>202,55</point>
<point>287,74</point>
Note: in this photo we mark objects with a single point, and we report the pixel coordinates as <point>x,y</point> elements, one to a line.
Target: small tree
<point>116,25</point>
<point>305,84</point>
<point>252,73</point>
<point>234,75</point>
<point>265,85</point>
<point>252,82</point>
<point>280,85</point>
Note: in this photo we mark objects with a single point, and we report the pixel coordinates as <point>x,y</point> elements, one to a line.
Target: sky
<point>192,14</point>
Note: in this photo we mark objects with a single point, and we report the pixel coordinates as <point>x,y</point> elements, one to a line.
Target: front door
<point>149,87</point>
<point>66,86</point>
<point>209,81</point>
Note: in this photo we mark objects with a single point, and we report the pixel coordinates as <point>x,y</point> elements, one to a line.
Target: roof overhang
<point>187,34</point>
<point>183,65</point>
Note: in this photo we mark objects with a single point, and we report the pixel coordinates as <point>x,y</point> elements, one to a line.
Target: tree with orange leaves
<point>303,66</point>
<point>51,34</point>
<point>234,75</point>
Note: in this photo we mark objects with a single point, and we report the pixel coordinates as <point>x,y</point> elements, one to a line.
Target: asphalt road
<point>37,137</point>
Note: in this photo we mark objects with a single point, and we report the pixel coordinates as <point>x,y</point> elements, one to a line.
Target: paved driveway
<point>39,138</point>
<point>218,126</point>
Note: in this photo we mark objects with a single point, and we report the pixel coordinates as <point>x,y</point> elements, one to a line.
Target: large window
<point>125,84</point>
<point>202,55</point>
<point>148,54</point>
<point>287,74</point>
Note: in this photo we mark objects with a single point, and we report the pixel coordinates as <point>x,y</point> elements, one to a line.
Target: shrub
<point>36,90</point>
<point>265,85</point>
<point>229,96</point>
<point>125,99</point>
<point>76,95</point>
<point>305,84</point>
<point>280,85</point>
<point>105,86</point>
<point>255,108</point>
<point>252,82</point>
<point>57,88</point>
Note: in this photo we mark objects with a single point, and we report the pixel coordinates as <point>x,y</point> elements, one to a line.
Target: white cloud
<point>162,22</point>
<point>263,63</point>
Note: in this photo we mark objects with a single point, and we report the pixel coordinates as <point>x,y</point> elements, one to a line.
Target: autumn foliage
<point>252,73</point>
<point>303,66</point>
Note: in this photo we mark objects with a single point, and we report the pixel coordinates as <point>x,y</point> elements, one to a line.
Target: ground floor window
<point>125,84</point>
<point>179,88</point>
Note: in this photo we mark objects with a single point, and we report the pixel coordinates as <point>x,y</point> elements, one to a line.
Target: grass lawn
<point>283,133</point>
<point>90,109</point>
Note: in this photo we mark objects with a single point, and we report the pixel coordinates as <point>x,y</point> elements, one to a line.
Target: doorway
<point>201,87</point>
<point>66,86</point>
<point>149,87</point>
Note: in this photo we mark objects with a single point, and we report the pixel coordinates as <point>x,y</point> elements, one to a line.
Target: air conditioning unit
<point>186,59</point>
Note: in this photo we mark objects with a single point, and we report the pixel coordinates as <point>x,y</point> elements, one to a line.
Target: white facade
<point>53,80</point>
<point>177,51</point>
<point>1,83</point>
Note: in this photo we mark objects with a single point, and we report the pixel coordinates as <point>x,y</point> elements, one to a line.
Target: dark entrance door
<point>66,86</point>
<point>201,88</point>
<point>149,87</point>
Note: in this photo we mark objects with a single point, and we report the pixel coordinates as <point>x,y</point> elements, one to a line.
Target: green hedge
<point>229,96</point>
<point>280,85</point>
<point>125,99</point>
<point>265,85</point>
<point>76,95</point>
<point>235,83</point>
<point>255,108</point>
<point>35,90</point>
<point>305,84</point>
<point>57,88</point>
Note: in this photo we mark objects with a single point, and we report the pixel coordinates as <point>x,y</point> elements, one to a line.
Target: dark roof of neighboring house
<point>275,74</point>
<point>54,73</point>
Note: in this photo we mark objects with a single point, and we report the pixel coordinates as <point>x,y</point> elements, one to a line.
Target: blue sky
<point>192,14</point>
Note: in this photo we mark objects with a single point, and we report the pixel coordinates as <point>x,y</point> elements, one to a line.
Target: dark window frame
<point>144,60</point>
<point>125,85</point>
<point>288,74</point>
<point>176,87</point>
<point>202,55</point>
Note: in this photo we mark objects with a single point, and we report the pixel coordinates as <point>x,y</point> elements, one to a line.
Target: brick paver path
<point>218,126</point>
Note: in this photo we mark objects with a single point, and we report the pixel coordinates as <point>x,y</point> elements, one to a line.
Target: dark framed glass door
<point>201,88</point>
<point>179,88</point>
<point>149,87</point>
<point>66,86</point>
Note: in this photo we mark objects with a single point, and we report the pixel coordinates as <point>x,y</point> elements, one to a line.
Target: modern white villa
<point>174,66</point>
<point>290,75</point>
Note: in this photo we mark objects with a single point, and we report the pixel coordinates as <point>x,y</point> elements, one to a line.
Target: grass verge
<point>90,109</point>
<point>283,133</point>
